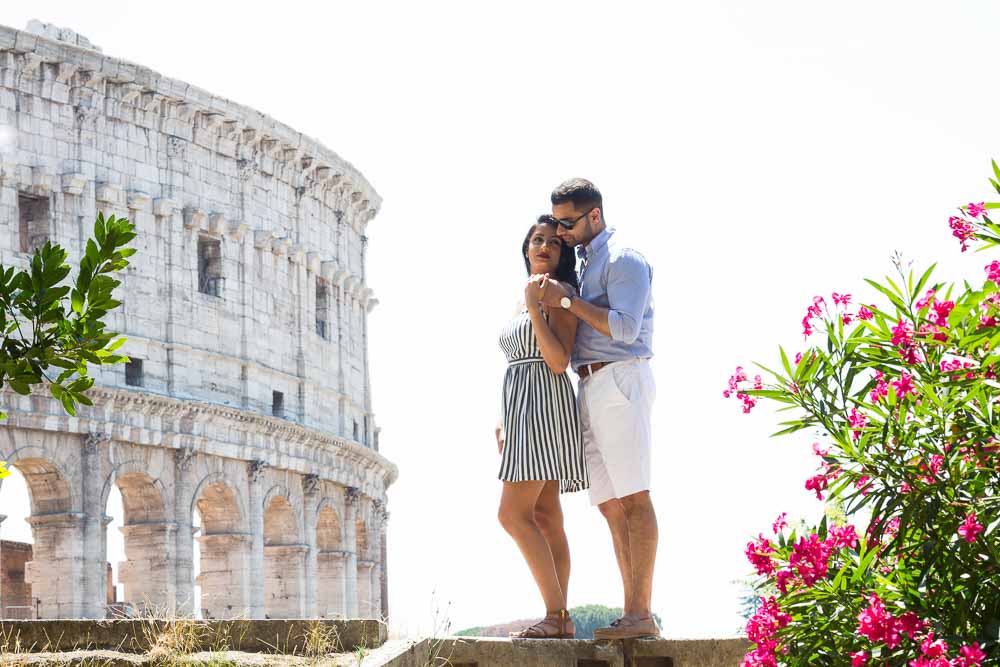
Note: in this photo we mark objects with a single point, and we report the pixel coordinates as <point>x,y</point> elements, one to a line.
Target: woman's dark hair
<point>566,270</point>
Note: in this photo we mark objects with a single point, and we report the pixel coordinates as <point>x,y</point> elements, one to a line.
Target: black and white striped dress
<point>539,415</point>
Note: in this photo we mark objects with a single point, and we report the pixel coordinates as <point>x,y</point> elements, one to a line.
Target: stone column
<point>255,474</point>
<point>351,551</point>
<point>57,571</point>
<point>365,589</point>
<point>150,569</point>
<point>184,535</point>
<point>94,556</point>
<point>310,488</point>
<point>330,576</point>
<point>381,580</point>
<point>284,581</point>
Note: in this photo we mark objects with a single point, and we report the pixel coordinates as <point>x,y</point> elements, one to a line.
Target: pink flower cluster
<point>841,301</point>
<point>904,385</point>
<point>881,389</point>
<point>993,271</point>
<point>970,528</point>
<point>902,339</point>
<point>759,554</point>
<point>878,625</point>
<point>963,230</point>
<point>761,630</point>
<point>735,389</point>
<point>934,653</point>
<point>858,421</point>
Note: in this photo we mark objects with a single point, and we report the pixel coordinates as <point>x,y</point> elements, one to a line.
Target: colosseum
<point>247,400</point>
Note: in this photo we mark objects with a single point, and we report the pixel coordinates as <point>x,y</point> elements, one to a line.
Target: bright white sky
<point>760,152</point>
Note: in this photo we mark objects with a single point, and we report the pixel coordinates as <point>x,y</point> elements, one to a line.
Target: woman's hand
<point>499,439</point>
<point>534,291</point>
<point>552,292</point>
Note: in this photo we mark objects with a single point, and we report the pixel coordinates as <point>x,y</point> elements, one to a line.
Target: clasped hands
<point>545,290</point>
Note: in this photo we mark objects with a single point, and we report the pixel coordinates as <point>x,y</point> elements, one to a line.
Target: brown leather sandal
<point>541,630</point>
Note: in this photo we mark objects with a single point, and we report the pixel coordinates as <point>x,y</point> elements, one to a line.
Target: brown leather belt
<point>589,369</point>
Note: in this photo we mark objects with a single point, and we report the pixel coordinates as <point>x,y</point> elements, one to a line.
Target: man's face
<point>583,231</point>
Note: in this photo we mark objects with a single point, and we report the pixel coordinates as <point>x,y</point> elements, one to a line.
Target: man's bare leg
<point>643,536</point>
<point>614,513</point>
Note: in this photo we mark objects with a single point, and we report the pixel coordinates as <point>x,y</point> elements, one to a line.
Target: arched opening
<point>16,543</point>
<point>365,566</point>
<point>56,567</point>
<point>330,571</point>
<point>224,550</point>
<point>147,575</point>
<point>284,561</point>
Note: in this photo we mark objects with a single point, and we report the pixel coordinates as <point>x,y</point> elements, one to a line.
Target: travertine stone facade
<point>245,308</point>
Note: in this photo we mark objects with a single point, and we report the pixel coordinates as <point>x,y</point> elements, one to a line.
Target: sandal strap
<point>539,629</point>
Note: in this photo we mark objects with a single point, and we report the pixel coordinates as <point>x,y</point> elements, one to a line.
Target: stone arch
<point>143,493</point>
<point>282,523</point>
<point>49,487</point>
<point>284,556</point>
<point>222,509</point>
<point>329,527</point>
<point>331,563</point>
<point>225,547</point>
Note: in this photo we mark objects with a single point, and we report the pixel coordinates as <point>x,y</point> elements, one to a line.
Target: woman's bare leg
<point>517,516</point>
<point>549,519</point>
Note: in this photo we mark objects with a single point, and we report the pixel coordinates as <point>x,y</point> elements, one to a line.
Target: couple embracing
<point>599,322</point>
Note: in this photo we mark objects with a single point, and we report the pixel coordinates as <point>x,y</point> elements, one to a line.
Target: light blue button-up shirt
<point>616,277</point>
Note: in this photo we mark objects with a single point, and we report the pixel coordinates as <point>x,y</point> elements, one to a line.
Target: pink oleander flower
<point>993,271</point>
<point>819,451</point>
<point>841,299</point>
<point>798,358</point>
<point>970,529</point>
<point>904,385</point>
<point>844,537</point>
<point>859,659</point>
<point>857,421</point>
<point>881,389</point>
<point>910,624</point>
<point>975,210</point>
<point>818,483</point>
<point>902,333</point>
<point>963,230</point>
<point>780,523</point>
<point>941,311</point>
<point>878,625</point>
<point>933,649</point>
<point>971,655</point>
<point>807,329</point>
<point>937,462</point>
<point>862,483</point>
<point>761,629</point>
<point>847,318</point>
<point>810,558</point>
<point>925,300</point>
<point>759,555</point>
<point>865,314</point>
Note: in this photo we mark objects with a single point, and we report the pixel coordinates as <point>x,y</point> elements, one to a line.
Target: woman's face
<point>544,249</point>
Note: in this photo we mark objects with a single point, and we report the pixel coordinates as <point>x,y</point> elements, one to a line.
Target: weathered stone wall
<point>245,309</point>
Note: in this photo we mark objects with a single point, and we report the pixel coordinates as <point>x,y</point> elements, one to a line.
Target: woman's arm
<point>556,335</point>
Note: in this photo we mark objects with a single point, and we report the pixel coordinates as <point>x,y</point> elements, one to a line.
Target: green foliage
<point>905,403</point>
<point>52,331</point>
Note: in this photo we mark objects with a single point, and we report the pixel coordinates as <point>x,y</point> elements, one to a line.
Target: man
<point>611,355</point>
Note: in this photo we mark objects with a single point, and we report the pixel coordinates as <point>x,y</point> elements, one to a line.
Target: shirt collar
<point>599,241</point>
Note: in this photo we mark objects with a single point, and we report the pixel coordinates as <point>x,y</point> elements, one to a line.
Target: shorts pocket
<point>625,380</point>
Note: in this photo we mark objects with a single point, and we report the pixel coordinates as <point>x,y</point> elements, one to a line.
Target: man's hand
<point>534,290</point>
<point>554,292</point>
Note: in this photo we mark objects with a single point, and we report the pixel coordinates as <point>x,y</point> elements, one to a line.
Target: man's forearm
<point>595,316</point>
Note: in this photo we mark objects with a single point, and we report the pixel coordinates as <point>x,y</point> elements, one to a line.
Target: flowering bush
<point>906,399</point>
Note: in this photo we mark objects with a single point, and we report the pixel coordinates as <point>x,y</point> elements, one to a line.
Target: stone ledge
<point>139,635</point>
<point>494,652</point>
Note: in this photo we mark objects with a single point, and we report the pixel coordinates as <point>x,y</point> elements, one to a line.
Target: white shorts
<point>616,403</point>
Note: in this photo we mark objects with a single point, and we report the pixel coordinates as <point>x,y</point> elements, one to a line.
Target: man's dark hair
<point>580,192</point>
<point>566,270</point>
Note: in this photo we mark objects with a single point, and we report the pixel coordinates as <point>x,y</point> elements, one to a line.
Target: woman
<point>539,434</point>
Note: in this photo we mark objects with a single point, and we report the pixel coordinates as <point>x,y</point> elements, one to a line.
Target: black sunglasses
<point>570,224</point>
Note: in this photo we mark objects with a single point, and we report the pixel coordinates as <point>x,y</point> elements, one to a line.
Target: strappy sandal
<point>541,629</point>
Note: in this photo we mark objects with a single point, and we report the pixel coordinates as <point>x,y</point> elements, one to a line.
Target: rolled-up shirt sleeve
<point>629,287</point>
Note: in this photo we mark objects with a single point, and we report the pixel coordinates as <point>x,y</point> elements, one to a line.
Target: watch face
<point>565,302</point>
